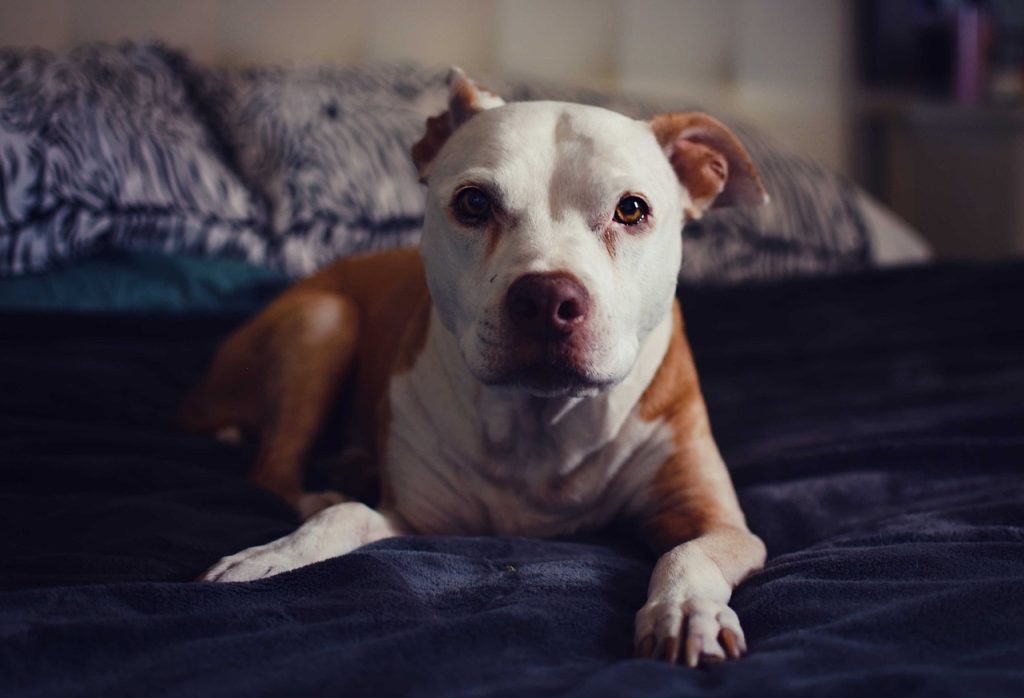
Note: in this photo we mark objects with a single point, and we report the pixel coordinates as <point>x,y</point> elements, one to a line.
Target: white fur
<point>560,171</point>
<point>688,597</point>
<point>467,458</point>
<point>336,530</point>
<point>464,458</point>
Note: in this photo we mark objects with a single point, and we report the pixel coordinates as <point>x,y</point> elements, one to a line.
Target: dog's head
<point>552,234</point>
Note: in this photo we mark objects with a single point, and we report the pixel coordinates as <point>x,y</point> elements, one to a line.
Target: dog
<point>526,372</point>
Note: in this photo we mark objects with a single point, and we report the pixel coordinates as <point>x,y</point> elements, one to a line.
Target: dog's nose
<point>547,306</point>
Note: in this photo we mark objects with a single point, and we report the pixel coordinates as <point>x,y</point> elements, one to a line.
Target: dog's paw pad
<point>696,632</point>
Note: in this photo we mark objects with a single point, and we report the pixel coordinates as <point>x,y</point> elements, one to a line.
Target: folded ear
<point>709,160</point>
<point>465,98</point>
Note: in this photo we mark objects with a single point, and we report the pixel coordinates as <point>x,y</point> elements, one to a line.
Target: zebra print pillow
<point>328,147</point>
<point>101,148</point>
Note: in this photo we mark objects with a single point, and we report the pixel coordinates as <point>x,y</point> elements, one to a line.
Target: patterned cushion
<point>328,147</point>
<point>101,148</point>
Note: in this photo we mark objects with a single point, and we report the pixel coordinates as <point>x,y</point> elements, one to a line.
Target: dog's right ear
<point>465,98</point>
<point>709,160</point>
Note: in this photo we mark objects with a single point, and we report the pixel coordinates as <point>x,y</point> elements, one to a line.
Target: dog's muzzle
<point>549,349</point>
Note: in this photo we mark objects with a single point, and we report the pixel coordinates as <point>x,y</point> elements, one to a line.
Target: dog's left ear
<point>465,99</point>
<point>709,160</point>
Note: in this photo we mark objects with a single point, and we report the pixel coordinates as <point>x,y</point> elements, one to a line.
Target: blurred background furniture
<point>955,172</point>
<point>940,116</point>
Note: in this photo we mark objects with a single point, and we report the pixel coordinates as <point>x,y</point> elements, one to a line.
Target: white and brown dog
<point>526,372</point>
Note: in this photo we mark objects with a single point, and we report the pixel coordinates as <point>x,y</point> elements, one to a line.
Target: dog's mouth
<point>549,369</point>
<point>555,381</point>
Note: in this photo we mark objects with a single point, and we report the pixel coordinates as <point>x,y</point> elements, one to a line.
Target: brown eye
<point>472,205</point>
<point>631,210</point>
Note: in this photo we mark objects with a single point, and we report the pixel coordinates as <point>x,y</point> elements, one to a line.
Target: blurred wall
<point>784,64</point>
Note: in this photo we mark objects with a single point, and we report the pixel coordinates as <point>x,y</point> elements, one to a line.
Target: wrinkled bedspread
<point>874,425</point>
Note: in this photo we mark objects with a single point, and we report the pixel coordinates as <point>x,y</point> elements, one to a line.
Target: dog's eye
<point>631,210</point>
<point>472,205</point>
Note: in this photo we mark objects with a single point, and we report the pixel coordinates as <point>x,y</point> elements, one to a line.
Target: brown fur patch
<point>390,290</point>
<point>439,128</point>
<point>464,100</point>
<point>691,493</point>
<point>609,239</point>
<point>279,374</point>
<point>704,154</point>
<point>463,104</point>
<point>702,170</point>
<point>674,388</point>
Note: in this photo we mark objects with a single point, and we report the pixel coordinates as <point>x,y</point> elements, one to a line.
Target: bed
<point>872,416</point>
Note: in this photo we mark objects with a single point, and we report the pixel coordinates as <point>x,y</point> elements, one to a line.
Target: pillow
<point>101,148</point>
<point>328,147</point>
<point>893,240</point>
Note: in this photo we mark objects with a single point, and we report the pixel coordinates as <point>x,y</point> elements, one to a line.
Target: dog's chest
<point>462,461</point>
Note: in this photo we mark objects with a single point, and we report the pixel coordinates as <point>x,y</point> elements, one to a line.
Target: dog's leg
<point>313,349</point>
<point>337,530</point>
<point>693,515</point>
<point>278,376</point>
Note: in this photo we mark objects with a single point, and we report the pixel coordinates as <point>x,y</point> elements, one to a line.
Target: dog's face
<point>552,235</point>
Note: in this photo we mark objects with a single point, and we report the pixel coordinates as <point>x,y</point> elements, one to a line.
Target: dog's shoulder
<point>373,279</point>
<point>389,291</point>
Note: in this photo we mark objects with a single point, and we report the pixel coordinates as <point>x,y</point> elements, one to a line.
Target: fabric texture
<point>873,424</point>
<point>102,148</point>
<point>328,148</point>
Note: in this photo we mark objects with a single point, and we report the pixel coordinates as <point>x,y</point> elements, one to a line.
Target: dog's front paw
<point>253,563</point>
<point>698,630</point>
<point>336,530</point>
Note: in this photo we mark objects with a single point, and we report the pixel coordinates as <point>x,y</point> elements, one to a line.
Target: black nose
<point>547,306</point>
